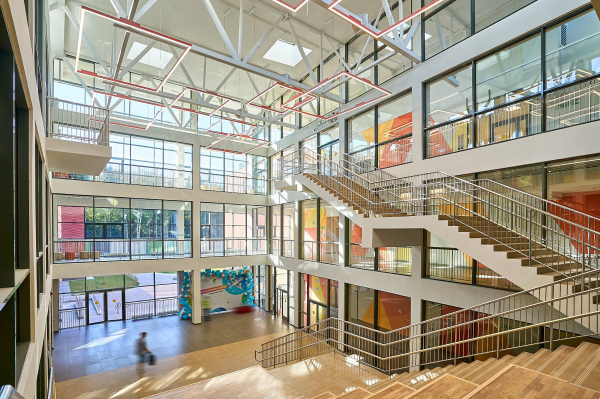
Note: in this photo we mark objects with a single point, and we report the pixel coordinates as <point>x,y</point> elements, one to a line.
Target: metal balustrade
<point>72,318</point>
<point>149,308</point>
<point>542,233</point>
<point>100,250</point>
<point>539,232</point>
<point>526,319</point>
<point>77,122</point>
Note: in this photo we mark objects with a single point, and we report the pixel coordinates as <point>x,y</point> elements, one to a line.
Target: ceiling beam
<point>84,37</point>
<point>221,29</point>
<point>397,46</point>
<point>285,79</point>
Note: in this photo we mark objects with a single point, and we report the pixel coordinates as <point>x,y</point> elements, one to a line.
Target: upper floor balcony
<point>78,137</point>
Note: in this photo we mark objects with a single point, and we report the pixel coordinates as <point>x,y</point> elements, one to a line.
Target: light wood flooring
<point>169,373</point>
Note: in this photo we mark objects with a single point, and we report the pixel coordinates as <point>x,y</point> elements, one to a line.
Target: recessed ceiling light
<point>285,53</point>
<point>154,57</point>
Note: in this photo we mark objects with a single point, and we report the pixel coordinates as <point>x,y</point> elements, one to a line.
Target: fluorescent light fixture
<point>285,53</point>
<point>154,57</point>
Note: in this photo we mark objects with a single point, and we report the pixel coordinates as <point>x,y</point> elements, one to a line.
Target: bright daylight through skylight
<point>154,57</point>
<point>285,53</point>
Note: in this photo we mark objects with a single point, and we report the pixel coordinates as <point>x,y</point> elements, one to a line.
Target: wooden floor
<point>169,373</point>
<point>327,373</point>
<point>250,383</point>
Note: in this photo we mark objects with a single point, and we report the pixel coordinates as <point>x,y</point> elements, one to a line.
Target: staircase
<point>526,239</point>
<point>566,372</point>
<point>471,352</point>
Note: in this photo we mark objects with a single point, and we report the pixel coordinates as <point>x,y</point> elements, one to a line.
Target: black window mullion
<point>543,85</point>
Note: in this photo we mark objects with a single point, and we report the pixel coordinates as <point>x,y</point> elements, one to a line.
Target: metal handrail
<point>8,392</point>
<point>51,384</point>
<point>414,193</point>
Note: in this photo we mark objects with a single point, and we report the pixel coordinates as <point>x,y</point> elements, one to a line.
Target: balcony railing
<point>120,250</point>
<point>78,122</point>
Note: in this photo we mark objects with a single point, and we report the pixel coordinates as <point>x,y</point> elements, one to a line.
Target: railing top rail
<point>470,309</point>
<point>548,202</point>
<point>8,392</point>
<point>76,103</point>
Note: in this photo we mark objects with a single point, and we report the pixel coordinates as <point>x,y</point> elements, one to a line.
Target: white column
<point>416,303</point>
<point>196,296</point>
<point>55,304</point>
<point>417,122</point>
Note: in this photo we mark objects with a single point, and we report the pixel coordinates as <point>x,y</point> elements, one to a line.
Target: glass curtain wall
<point>382,137</point>
<point>319,299</point>
<point>88,229</point>
<point>144,161</point>
<point>378,309</point>
<point>118,297</point>
<point>320,231</point>
<point>397,260</point>
<point>283,229</point>
<point>451,23</point>
<point>232,172</point>
<point>509,89</point>
<point>444,262</point>
<point>231,229</point>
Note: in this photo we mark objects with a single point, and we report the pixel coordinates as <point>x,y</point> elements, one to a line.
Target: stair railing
<point>546,316</point>
<point>538,237</point>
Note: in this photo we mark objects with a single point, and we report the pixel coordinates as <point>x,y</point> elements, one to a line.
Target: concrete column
<point>298,289</point>
<point>297,228</point>
<point>417,121</point>
<point>196,228</point>
<point>196,296</point>
<point>416,303</point>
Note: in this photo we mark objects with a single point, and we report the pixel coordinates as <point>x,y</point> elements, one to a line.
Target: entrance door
<point>96,307</point>
<point>281,304</point>
<point>317,313</point>
<point>114,304</point>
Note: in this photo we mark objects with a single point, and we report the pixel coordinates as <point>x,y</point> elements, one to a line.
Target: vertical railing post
<point>529,216</point>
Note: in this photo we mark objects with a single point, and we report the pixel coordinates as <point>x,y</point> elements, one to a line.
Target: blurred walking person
<point>141,350</point>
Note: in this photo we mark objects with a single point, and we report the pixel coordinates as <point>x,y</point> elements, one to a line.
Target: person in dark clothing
<point>141,351</point>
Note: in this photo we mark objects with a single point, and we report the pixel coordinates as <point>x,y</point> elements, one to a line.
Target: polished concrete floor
<point>109,346</point>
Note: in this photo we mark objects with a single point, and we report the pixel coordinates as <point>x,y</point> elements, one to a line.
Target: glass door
<point>96,307</point>
<point>330,151</point>
<point>317,313</point>
<point>114,304</point>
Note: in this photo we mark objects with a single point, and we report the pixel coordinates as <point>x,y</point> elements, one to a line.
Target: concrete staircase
<point>564,373</point>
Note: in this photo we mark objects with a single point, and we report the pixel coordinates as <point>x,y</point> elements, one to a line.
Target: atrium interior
<point>300,199</point>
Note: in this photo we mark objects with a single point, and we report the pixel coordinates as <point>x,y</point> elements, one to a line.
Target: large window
<point>232,172</point>
<point>88,229</point>
<point>390,313</point>
<point>397,260</point>
<point>320,231</point>
<point>310,229</point>
<point>283,228</point>
<point>319,299</point>
<point>509,90</point>
<point>383,137</point>
<point>144,161</point>
<point>450,23</point>
<point>444,262</point>
<point>230,229</point>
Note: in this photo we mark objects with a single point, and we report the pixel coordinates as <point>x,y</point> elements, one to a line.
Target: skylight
<point>285,53</point>
<point>154,57</point>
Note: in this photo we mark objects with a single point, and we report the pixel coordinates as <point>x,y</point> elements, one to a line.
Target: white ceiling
<point>189,20</point>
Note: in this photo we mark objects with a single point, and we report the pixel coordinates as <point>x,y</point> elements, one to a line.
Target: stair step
<point>392,392</point>
<point>558,358</point>
<point>580,357</point>
<point>423,378</point>
<point>384,384</point>
<point>536,359</point>
<point>491,370</point>
<point>458,369</point>
<point>522,358</point>
<point>588,376</point>
<point>447,387</point>
<point>325,395</point>
<point>475,368</point>
<point>357,393</point>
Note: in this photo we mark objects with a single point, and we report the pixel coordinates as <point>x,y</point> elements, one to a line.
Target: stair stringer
<point>523,276</point>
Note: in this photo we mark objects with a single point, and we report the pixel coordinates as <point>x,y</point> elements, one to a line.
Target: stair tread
<point>384,384</point>
<point>392,392</point>
<point>325,395</point>
<point>579,358</point>
<point>447,387</point>
<point>357,393</point>
<point>491,370</point>
<point>424,378</point>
